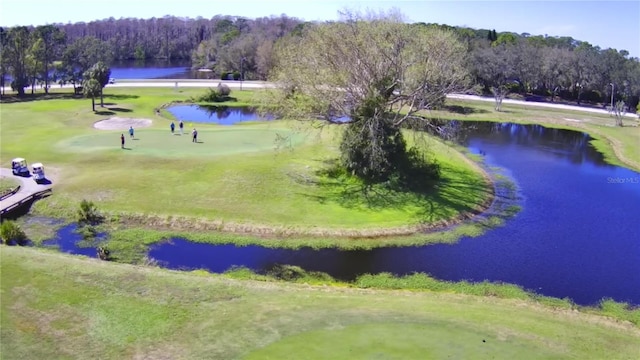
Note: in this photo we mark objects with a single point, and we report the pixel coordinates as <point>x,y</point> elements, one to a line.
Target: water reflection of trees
<point>562,143</point>
<point>217,112</point>
<point>224,112</point>
<point>567,144</point>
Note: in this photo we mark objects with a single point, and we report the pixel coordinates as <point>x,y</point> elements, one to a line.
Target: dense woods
<point>500,62</point>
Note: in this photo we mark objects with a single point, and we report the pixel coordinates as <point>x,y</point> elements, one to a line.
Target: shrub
<point>286,272</point>
<point>593,96</point>
<point>567,94</point>
<point>219,94</point>
<point>514,87</point>
<point>88,214</point>
<point>10,232</point>
<point>87,231</point>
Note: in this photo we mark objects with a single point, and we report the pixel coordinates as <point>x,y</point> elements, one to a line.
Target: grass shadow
<point>14,98</point>
<point>463,110</point>
<point>435,200</point>
<point>120,96</point>
<point>118,109</point>
<point>105,112</point>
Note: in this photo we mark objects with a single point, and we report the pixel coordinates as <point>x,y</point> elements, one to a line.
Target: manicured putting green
<point>433,340</point>
<point>211,142</point>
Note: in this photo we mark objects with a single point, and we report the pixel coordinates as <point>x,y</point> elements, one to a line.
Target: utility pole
<point>241,72</point>
<point>612,89</point>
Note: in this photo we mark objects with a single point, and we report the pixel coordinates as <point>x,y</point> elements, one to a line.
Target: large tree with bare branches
<point>374,69</point>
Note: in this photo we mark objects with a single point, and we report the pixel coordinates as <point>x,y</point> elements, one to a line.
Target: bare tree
<point>619,110</point>
<point>374,69</point>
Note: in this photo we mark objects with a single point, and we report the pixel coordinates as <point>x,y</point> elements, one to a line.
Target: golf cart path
<point>538,104</point>
<point>28,187</point>
<point>177,83</point>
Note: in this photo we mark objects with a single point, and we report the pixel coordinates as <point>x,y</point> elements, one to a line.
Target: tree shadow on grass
<point>464,110</point>
<point>119,109</point>
<point>120,96</point>
<point>435,200</point>
<point>451,196</point>
<point>104,112</point>
<point>14,98</point>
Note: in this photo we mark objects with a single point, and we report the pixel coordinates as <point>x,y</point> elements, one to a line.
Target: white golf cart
<point>19,167</point>
<point>38,172</point>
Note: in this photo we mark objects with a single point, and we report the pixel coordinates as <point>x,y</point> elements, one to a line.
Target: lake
<point>156,69</point>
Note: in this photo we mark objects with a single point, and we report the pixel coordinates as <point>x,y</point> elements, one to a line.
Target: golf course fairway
<point>60,306</point>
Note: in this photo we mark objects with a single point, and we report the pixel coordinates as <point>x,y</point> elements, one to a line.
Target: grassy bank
<point>251,178</point>
<point>58,306</point>
<point>8,184</point>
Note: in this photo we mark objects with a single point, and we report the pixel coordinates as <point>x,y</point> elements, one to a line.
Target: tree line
<point>500,62</point>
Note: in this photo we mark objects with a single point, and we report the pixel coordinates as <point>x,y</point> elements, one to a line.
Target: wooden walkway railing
<point>22,201</point>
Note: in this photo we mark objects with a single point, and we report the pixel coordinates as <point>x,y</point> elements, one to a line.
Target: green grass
<point>253,177</point>
<point>406,339</point>
<point>59,306</point>
<point>7,184</point>
<point>212,143</point>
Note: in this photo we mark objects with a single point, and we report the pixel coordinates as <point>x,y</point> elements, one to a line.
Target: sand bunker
<point>120,123</point>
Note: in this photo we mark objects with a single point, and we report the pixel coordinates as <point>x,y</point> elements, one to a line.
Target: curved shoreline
<point>262,231</point>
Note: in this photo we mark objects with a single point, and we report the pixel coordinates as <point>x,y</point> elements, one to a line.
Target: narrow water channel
<point>577,236</point>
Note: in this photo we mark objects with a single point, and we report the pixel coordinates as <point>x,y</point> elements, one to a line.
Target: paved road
<point>539,104</point>
<point>28,187</point>
<point>263,84</point>
<point>173,83</point>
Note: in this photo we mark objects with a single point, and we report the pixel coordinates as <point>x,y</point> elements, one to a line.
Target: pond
<point>69,241</point>
<point>577,235</point>
<point>222,115</point>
